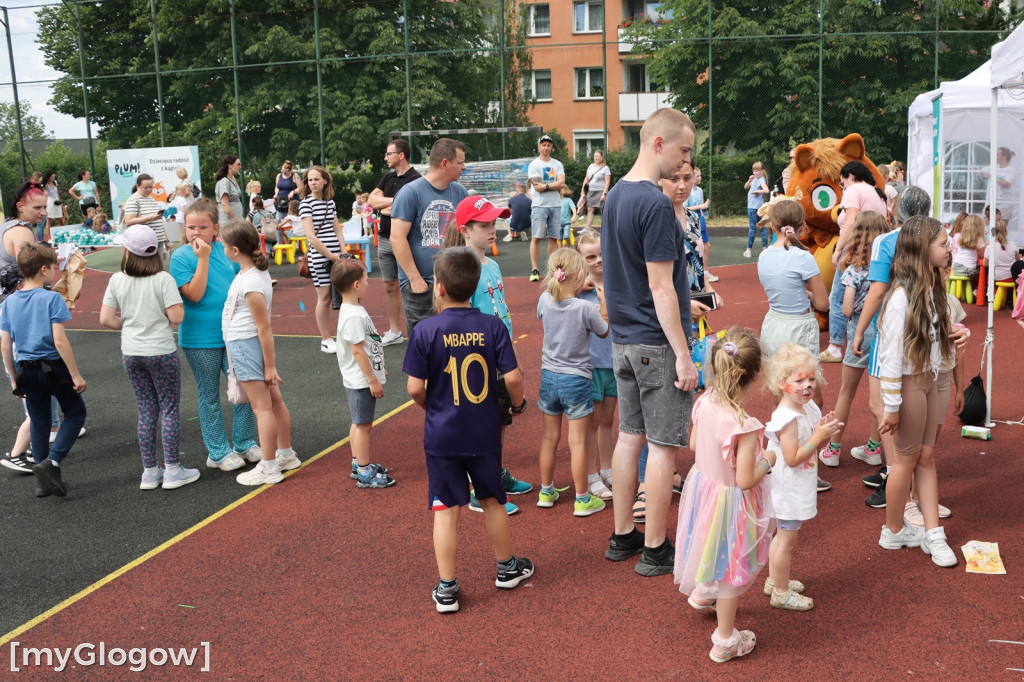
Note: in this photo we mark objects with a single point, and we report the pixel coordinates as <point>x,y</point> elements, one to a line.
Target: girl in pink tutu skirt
<point>725,517</point>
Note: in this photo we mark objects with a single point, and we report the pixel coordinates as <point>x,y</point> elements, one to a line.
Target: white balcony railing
<point>637,106</point>
<point>624,45</point>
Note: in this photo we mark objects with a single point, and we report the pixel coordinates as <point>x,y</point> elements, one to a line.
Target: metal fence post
<point>408,66</point>
<point>85,89</point>
<point>821,51</point>
<point>501,96</point>
<point>156,68</point>
<point>319,84</point>
<point>14,84</point>
<point>711,120</point>
<point>234,70</point>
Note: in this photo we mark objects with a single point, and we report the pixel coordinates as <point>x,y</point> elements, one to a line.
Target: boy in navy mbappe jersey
<point>452,362</point>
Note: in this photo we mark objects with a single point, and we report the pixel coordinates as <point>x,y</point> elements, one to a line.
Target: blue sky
<point>28,62</point>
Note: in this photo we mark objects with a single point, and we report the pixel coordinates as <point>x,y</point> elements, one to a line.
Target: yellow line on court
<point>46,615</point>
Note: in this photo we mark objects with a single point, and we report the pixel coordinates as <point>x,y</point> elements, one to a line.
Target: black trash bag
<point>973,413</point>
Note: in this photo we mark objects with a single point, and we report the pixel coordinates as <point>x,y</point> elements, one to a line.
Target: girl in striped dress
<point>326,244</point>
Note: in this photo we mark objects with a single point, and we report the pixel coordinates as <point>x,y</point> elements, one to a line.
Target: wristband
<point>519,409</point>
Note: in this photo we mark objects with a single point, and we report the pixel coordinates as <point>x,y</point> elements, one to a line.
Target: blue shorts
<point>566,393</point>
<point>788,524</point>
<point>448,487</point>
<point>361,405</point>
<point>566,229</point>
<point>246,358</point>
<point>546,221</point>
<point>858,361</point>
<point>602,384</point>
<point>704,230</point>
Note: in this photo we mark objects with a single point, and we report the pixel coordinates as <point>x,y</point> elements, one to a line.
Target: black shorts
<point>448,486</point>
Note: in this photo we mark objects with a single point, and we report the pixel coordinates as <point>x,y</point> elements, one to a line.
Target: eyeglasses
<point>387,154</point>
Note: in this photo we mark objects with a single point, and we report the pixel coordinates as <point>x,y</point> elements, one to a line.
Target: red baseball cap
<point>478,209</point>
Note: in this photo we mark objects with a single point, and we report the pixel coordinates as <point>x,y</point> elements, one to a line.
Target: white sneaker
<point>329,346</point>
<point>53,435</point>
<point>746,253</point>
<point>288,462</point>
<point>253,454</point>
<point>259,475</point>
<point>828,457</point>
<point>709,277</point>
<point>861,452</point>
<point>909,536</point>
<point>508,237</point>
<point>230,462</point>
<point>912,514</point>
<point>391,337</point>
<point>934,543</point>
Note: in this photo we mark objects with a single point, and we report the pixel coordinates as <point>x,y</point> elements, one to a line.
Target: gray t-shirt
<point>548,172</point>
<point>228,186</point>
<point>143,302</point>
<point>567,328</point>
<point>784,275</point>
<point>431,212</point>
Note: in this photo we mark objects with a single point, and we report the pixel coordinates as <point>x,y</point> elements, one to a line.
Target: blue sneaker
<point>179,476</point>
<point>474,505</point>
<point>151,479</point>
<point>512,485</point>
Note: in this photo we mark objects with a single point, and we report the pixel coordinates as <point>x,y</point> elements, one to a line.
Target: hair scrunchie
<point>788,230</point>
<point>730,348</point>
<point>560,274</point>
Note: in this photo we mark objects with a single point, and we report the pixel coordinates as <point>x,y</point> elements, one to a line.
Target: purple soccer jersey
<point>459,354</point>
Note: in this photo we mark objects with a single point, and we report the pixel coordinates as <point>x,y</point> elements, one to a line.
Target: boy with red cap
<point>475,219</point>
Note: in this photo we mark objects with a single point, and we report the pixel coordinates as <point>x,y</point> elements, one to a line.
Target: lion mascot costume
<point>814,184</point>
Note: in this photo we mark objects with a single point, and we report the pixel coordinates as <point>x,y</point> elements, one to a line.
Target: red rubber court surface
<point>316,578</point>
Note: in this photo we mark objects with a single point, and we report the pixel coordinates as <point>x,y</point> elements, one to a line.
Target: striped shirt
<point>138,205</point>
<point>323,214</point>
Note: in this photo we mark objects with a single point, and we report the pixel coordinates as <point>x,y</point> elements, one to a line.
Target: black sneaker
<point>446,600</point>
<point>48,475</point>
<point>823,485</point>
<point>535,275</point>
<point>41,491</point>
<point>621,547</point>
<point>877,498</point>
<point>658,561</point>
<point>876,479</point>
<point>507,579</point>
<point>19,463</point>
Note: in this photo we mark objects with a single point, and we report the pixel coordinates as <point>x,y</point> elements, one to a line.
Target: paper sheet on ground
<point>983,557</point>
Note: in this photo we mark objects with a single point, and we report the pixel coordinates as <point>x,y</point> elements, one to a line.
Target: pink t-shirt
<point>863,197</point>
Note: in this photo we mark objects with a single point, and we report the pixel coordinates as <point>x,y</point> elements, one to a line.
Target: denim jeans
<point>39,388</point>
<point>642,463</point>
<point>752,231</point>
<point>836,319</point>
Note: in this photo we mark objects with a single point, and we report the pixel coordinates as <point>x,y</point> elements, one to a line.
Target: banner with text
<point>162,163</point>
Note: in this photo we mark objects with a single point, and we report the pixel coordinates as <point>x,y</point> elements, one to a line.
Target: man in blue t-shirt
<point>521,205</point>
<point>421,215</point>
<point>453,360</point>
<point>643,253</point>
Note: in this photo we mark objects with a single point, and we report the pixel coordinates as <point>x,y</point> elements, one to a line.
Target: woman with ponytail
<point>250,342</point>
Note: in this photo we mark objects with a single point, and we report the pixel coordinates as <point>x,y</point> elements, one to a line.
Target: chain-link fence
<point>325,81</point>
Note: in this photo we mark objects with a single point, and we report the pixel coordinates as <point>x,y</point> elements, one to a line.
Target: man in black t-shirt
<point>519,221</point>
<point>397,159</point>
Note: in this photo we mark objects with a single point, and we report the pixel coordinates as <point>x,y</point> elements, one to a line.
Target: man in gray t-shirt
<point>547,177</point>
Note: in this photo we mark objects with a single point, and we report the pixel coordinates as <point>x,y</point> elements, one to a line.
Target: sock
<point>269,465</point>
<point>285,452</point>
<point>834,350</point>
<point>365,470</point>
<point>509,564</point>
<point>888,468</point>
<point>606,473</point>
<point>153,470</point>
<point>585,497</point>
<point>834,447</point>
<point>169,467</point>
<point>593,478</point>
<point>354,462</point>
<point>55,463</point>
<point>450,585</point>
<point>873,445</point>
<point>547,489</point>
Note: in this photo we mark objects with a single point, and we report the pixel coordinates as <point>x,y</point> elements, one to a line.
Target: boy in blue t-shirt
<point>475,219</point>
<point>452,362</point>
<point>37,356</point>
<point>757,194</point>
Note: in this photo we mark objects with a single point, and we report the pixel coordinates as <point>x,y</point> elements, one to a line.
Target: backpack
<point>975,403</point>
<point>268,224</point>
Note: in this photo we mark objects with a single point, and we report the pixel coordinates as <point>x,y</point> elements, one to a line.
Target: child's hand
<point>200,248</point>
<point>271,377</point>
<point>79,383</point>
<point>958,402</point>
<point>828,426</point>
<point>376,389</point>
<point>15,390</point>
<point>751,178</point>
<point>959,334</point>
<point>890,422</point>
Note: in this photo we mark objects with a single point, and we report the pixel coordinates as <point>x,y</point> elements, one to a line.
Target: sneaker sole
<point>649,570</point>
<point>273,479</point>
<point>290,465</point>
<point>899,545</point>
<point>519,492</point>
<point>393,343</point>
<point>217,465</point>
<point>875,505</point>
<point>514,582</point>
<point>446,608</point>
<point>871,484</point>
<point>8,464</point>
<point>613,554</point>
<point>177,484</point>
<point>150,486</point>
<point>873,460</point>
<point>546,505</point>
<point>829,462</point>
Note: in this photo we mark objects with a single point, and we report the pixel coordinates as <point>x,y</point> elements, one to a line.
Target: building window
<point>537,86</point>
<point>587,17</point>
<point>650,10</point>
<point>631,138</point>
<point>635,78</point>
<point>589,83</point>
<point>965,189</point>
<point>586,141</point>
<point>538,20</point>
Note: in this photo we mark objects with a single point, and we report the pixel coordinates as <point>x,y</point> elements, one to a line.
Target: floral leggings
<point>157,383</point>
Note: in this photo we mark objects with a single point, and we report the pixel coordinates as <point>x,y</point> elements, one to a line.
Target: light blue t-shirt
<point>430,212</point>
<point>755,201</point>
<point>784,275</point>
<point>201,326</point>
<point>489,297</point>
<point>600,349</point>
<point>696,199</point>
<point>28,317</point>
<point>567,206</point>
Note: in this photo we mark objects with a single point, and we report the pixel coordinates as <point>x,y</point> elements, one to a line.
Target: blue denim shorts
<point>858,361</point>
<point>566,393</point>
<point>546,222</point>
<point>602,384</point>
<point>246,358</point>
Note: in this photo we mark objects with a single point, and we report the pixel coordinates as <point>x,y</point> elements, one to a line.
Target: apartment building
<point>585,81</point>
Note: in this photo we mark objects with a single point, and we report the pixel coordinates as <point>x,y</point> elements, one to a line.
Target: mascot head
<point>814,182</point>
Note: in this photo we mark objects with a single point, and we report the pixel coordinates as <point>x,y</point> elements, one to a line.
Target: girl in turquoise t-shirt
<point>568,216</point>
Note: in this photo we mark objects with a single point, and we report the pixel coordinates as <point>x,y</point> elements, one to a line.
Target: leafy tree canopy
<point>32,127</point>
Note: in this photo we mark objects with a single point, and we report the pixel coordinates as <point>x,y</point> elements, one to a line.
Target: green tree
<point>876,57</point>
<point>32,127</point>
<point>452,72</point>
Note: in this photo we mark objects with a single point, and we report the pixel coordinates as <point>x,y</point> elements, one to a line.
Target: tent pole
<point>991,284</point>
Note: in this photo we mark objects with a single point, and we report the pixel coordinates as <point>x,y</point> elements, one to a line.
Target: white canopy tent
<point>1006,78</point>
<point>949,146</point>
